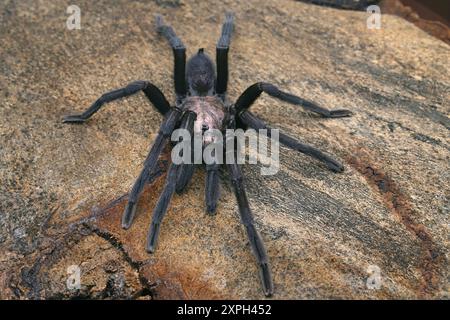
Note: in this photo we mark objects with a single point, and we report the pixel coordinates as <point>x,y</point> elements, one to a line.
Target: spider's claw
<point>152,238</point>
<point>340,113</point>
<point>159,22</point>
<point>76,118</point>
<point>150,248</point>
<point>266,279</point>
<point>211,209</point>
<point>128,215</point>
<point>335,166</point>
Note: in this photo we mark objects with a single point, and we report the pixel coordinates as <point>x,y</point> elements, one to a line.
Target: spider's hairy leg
<point>179,56</point>
<point>252,93</point>
<point>253,235</point>
<point>186,170</point>
<point>155,96</point>
<point>250,120</point>
<point>168,191</point>
<point>222,48</point>
<point>161,208</point>
<point>227,30</point>
<point>150,163</point>
<point>185,173</point>
<point>212,188</point>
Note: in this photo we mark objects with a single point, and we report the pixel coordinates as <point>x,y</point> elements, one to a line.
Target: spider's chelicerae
<point>201,105</point>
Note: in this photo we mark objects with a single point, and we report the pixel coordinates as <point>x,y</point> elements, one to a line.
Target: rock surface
<point>63,187</point>
<point>426,19</point>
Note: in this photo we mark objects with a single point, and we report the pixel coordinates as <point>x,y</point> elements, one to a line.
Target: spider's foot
<point>211,209</point>
<point>335,166</point>
<point>150,249</point>
<point>76,118</point>
<point>159,22</point>
<point>229,16</point>
<point>128,215</point>
<point>266,280</point>
<point>152,238</point>
<point>340,113</point>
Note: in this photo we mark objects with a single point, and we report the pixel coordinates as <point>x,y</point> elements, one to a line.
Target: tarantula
<point>201,104</point>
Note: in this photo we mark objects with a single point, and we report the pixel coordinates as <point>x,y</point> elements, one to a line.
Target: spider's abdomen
<point>210,112</point>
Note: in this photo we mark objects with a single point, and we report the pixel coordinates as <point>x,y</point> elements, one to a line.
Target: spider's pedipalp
<point>252,93</point>
<point>248,119</point>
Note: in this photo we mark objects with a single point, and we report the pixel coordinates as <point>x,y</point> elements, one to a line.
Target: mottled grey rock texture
<point>63,187</point>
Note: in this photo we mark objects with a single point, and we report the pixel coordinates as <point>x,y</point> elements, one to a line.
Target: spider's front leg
<point>155,96</point>
<point>248,221</point>
<point>222,48</point>
<point>179,56</point>
<point>254,91</point>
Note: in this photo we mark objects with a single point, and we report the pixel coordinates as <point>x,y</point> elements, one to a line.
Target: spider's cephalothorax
<point>209,108</point>
<point>201,105</point>
<point>200,75</point>
<point>210,114</point>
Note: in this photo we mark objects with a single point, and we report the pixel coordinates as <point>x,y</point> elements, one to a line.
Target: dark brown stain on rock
<point>400,205</point>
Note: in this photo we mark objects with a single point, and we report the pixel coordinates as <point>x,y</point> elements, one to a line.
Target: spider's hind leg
<point>247,219</point>
<point>248,119</point>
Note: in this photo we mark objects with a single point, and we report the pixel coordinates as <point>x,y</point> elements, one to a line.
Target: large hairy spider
<point>201,104</point>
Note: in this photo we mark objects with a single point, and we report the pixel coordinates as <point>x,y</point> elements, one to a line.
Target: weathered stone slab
<point>63,187</point>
